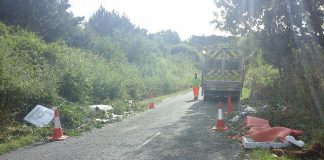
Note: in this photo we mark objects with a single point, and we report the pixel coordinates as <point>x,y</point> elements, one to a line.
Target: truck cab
<point>222,74</point>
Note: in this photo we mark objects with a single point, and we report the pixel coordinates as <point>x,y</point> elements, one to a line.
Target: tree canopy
<point>48,18</point>
<point>294,19</point>
<point>289,36</point>
<point>104,23</point>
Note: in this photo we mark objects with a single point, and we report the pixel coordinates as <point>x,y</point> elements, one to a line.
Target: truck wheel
<point>206,98</point>
<point>236,98</point>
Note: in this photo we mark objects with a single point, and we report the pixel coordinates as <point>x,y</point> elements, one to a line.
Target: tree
<point>280,26</point>
<point>48,18</point>
<point>168,36</point>
<point>315,10</point>
<point>212,41</point>
<point>288,34</point>
<point>278,18</point>
<point>104,23</point>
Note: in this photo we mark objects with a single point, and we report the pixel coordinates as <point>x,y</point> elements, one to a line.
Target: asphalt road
<point>178,128</point>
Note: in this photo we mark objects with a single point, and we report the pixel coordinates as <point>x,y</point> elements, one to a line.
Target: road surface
<point>178,128</point>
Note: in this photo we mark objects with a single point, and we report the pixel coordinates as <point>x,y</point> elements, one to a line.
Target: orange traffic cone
<point>220,124</point>
<point>151,106</point>
<point>229,104</point>
<point>57,129</point>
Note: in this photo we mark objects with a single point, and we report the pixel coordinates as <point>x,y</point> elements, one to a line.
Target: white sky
<point>187,17</point>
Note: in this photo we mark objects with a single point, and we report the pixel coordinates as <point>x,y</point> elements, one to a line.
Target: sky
<point>187,17</point>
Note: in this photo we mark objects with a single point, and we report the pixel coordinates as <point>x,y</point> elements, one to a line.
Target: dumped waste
<point>101,107</point>
<point>102,112</point>
<point>256,132</point>
<point>260,131</point>
<point>247,109</point>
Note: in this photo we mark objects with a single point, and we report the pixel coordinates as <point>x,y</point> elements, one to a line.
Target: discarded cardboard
<point>40,116</point>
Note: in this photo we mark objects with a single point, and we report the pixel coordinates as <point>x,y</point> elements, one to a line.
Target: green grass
<point>43,132</point>
<point>264,154</point>
<point>17,143</point>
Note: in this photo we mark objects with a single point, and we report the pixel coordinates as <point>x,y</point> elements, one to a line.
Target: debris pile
<point>256,132</point>
<point>262,135</point>
<point>261,131</point>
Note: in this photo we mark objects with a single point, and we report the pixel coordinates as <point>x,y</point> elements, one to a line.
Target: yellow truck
<point>222,74</point>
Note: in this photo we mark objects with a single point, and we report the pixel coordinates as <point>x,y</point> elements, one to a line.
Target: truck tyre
<point>235,98</point>
<point>206,98</point>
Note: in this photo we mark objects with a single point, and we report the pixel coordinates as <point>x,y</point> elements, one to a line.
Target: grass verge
<point>33,134</point>
<point>17,143</point>
<point>265,154</point>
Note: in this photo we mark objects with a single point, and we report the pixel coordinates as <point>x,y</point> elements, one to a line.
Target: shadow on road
<point>192,137</point>
<point>189,101</point>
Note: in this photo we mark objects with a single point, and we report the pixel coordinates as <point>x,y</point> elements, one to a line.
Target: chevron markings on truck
<point>224,53</point>
<point>234,75</point>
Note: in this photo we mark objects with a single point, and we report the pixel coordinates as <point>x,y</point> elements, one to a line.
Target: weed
<point>17,143</point>
<point>264,154</point>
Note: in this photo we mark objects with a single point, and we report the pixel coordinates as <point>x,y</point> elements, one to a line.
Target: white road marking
<point>148,141</point>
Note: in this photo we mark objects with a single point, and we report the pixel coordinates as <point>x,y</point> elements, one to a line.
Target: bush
<point>120,107</point>
<point>76,117</point>
<point>109,72</point>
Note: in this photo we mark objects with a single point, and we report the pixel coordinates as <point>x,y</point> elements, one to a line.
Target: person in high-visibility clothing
<point>195,86</point>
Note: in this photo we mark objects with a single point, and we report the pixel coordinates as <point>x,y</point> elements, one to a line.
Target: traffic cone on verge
<point>57,129</point>
<point>220,124</point>
<point>151,106</point>
<point>229,104</point>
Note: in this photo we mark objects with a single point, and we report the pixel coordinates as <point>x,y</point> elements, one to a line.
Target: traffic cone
<point>57,129</point>
<point>151,106</point>
<point>220,124</point>
<point>229,104</point>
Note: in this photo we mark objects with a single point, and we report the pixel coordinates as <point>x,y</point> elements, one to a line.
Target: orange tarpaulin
<point>261,131</point>
<point>256,122</point>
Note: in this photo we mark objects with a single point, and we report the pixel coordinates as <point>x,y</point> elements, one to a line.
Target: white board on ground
<point>40,116</point>
<point>250,143</point>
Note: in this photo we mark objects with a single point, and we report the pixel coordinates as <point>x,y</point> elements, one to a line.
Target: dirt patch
<point>315,151</point>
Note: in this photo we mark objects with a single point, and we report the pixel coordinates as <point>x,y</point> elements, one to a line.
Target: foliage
<point>167,36</point>
<point>104,23</point>
<point>18,135</point>
<point>20,142</point>
<point>76,117</point>
<point>48,18</point>
<point>35,72</point>
<point>260,75</point>
<point>113,62</point>
<point>319,136</point>
<point>288,36</point>
<point>262,154</point>
<point>274,19</point>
